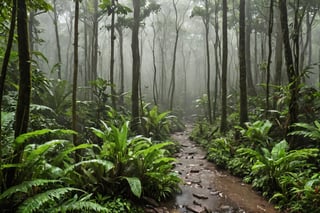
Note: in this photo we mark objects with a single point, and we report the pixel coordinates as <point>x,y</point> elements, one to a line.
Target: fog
<point>158,31</point>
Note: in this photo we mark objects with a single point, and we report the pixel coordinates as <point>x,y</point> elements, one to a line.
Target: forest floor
<point>206,188</point>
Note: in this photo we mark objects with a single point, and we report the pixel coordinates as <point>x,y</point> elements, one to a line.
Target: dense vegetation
<point>92,89</point>
<point>259,153</point>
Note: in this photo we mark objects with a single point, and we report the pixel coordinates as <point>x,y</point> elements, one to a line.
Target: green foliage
<point>308,130</point>
<point>257,133</point>
<point>136,160</point>
<point>269,166</point>
<point>220,152</point>
<point>157,125</point>
<point>120,205</point>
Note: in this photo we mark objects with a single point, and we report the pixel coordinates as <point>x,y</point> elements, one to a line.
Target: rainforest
<point>160,106</point>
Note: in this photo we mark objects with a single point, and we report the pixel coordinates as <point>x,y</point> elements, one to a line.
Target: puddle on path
<point>206,189</point>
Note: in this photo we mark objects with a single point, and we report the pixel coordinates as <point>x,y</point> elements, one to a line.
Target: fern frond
<point>34,203</point>
<point>106,164</point>
<point>26,186</point>
<point>83,206</point>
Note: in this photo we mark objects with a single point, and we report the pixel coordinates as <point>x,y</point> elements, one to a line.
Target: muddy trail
<point>206,188</point>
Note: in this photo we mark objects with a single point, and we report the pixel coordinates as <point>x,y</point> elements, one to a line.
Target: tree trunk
<point>206,24</point>
<point>6,58</point>
<point>113,93</point>
<point>251,87</point>
<point>56,30</point>
<point>242,61</point>
<point>3,73</point>
<point>23,104</point>
<point>135,66</point>
<point>223,124</point>
<point>154,84</point>
<point>293,83</point>
<point>120,33</point>
<point>270,27</point>
<point>217,62</point>
<point>278,52</point>
<point>75,72</point>
<point>173,68</point>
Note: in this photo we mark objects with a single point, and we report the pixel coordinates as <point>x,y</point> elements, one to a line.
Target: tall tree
<point>223,124</point>
<point>23,104</point>
<point>56,30</point>
<point>6,57</point>
<point>112,37</point>
<point>242,61</point>
<point>75,70</point>
<point>178,25</point>
<point>251,87</point>
<point>205,14</point>
<point>135,66</point>
<point>270,28</point>
<point>291,73</point>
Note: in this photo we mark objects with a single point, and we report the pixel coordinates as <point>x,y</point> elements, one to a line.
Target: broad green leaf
<point>135,185</point>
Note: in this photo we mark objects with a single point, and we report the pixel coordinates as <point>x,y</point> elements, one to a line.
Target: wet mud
<point>208,189</point>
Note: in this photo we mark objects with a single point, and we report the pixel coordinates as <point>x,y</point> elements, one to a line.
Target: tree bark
<point>135,66</point>
<point>242,61</point>
<point>173,68</point>
<point>75,71</point>
<point>113,93</point>
<point>56,30</point>
<point>223,124</point>
<point>6,57</point>
<point>23,105</point>
<point>206,24</point>
<point>291,73</point>
<point>270,28</point>
<point>251,87</point>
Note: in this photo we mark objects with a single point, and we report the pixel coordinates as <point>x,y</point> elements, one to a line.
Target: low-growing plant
<point>269,166</point>
<point>137,162</point>
<point>220,152</point>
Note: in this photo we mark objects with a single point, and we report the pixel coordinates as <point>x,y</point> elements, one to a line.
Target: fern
<point>26,186</point>
<point>309,131</point>
<point>82,206</point>
<point>32,204</point>
<point>106,164</point>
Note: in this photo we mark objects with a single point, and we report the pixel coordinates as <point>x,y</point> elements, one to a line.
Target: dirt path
<point>206,189</point>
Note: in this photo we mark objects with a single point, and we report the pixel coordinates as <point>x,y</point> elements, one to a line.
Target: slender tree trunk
<point>75,72</point>
<point>120,33</point>
<point>154,84</point>
<point>94,49</point>
<point>23,105</point>
<point>242,61</point>
<point>278,52</point>
<point>6,57</point>
<point>173,68</point>
<point>56,30</point>
<point>292,77</point>
<point>135,66</point>
<point>3,73</point>
<point>251,87</point>
<point>113,93</point>
<point>216,56</point>
<point>206,24</point>
<point>223,124</point>
<point>270,27</point>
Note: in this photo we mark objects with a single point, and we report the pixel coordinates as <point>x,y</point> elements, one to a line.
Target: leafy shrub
<point>220,152</point>
<point>137,162</point>
<point>270,166</point>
